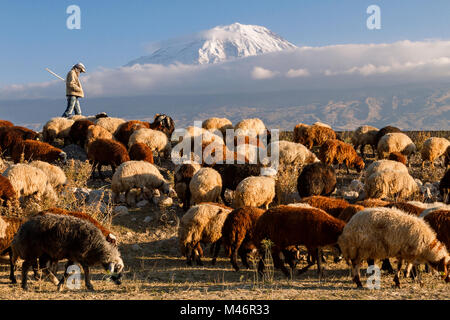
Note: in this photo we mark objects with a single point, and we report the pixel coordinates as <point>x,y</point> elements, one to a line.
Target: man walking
<point>74,91</point>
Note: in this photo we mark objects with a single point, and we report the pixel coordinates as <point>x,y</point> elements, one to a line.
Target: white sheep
<point>318,123</point>
<point>205,186</point>
<point>390,184</point>
<point>364,135</point>
<point>217,124</point>
<point>55,174</point>
<point>385,165</point>
<point>293,153</point>
<point>201,223</point>
<point>28,180</point>
<point>110,123</point>
<point>395,142</point>
<point>433,148</point>
<point>138,174</point>
<point>251,127</point>
<point>154,139</point>
<point>255,192</point>
<point>380,233</point>
<point>57,128</point>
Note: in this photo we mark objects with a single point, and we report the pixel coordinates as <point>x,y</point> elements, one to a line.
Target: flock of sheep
<point>227,202</point>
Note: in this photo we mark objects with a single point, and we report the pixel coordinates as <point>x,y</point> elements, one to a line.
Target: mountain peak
<point>218,44</point>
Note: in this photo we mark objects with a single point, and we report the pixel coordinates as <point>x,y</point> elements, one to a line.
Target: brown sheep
<point>37,150</point>
<point>316,179</point>
<point>349,212</point>
<point>6,123</point>
<point>447,157</point>
<point>444,187</point>
<point>337,151</point>
<point>183,175</point>
<point>439,220</point>
<point>406,207</point>
<point>332,206</point>
<point>78,131</point>
<point>7,193</point>
<point>104,152</point>
<point>140,151</point>
<point>11,136</point>
<point>126,130</point>
<point>397,156</point>
<point>372,203</point>
<point>288,225</point>
<point>9,227</point>
<point>314,135</point>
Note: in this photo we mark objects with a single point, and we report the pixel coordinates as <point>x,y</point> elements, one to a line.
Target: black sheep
<point>316,179</point>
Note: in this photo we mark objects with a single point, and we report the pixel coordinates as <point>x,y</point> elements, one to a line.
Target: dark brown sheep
<point>332,206</point>
<point>11,136</point>
<point>37,150</point>
<point>447,157</point>
<point>444,187</point>
<point>406,207</point>
<point>316,179</point>
<point>9,227</point>
<point>349,212</point>
<point>384,131</point>
<point>292,226</point>
<point>439,220</point>
<point>6,123</point>
<point>79,130</point>
<point>340,152</point>
<point>140,151</point>
<point>397,156</point>
<point>107,152</point>
<point>182,177</point>
<point>126,130</point>
<point>7,193</point>
<point>314,135</point>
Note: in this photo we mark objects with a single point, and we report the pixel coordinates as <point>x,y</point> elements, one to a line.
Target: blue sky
<point>34,34</point>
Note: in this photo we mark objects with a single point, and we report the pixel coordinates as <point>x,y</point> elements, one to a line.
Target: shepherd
<point>74,91</point>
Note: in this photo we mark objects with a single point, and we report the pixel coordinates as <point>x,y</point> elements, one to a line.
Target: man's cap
<point>80,66</point>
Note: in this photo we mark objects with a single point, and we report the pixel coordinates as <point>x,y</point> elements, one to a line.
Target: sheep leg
<point>243,254</point>
<point>12,265</point>
<point>189,253</point>
<point>233,258</point>
<point>87,277</point>
<point>216,251</point>
<point>99,168</point>
<point>386,266</point>
<point>319,263</point>
<point>397,274</point>
<point>64,277</point>
<point>25,267</point>
<point>196,255</point>
<point>355,273</point>
<point>261,265</point>
<point>311,260</point>
<point>277,262</point>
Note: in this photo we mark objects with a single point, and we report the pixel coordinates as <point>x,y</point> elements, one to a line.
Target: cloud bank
<point>328,67</point>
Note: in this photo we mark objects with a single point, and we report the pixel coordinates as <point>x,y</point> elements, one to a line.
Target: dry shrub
<point>420,138</point>
<point>77,173</point>
<point>286,183</point>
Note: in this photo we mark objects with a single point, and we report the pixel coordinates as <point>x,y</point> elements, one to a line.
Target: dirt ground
<point>154,268</point>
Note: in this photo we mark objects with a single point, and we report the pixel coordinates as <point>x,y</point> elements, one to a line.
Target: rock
<point>350,195</point>
<point>96,195</point>
<point>165,201</point>
<point>120,210</point>
<point>142,203</point>
<point>147,219</point>
<point>133,219</point>
<point>75,152</point>
<point>135,247</point>
<point>356,186</point>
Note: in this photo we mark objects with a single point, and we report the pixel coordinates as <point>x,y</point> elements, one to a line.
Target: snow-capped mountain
<point>216,45</point>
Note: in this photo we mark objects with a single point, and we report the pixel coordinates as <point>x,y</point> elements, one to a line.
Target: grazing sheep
<point>216,152</point>
<point>163,123</point>
<point>384,131</point>
<point>37,150</point>
<point>96,132</point>
<point>397,156</point>
<point>219,124</point>
<point>57,128</point>
<point>379,233</point>
<point>385,165</point>
<point>154,139</point>
<point>110,123</point>
<point>316,179</point>
<point>332,206</point>
<point>395,142</point>
<point>138,174</point>
<point>201,223</point>
<point>11,136</point>
<point>6,123</point>
<point>406,207</point>
<point>291,153</point>
<point>390,184</point>
<point>251,127</point>
<point>334,150</point>
<point>439,220</point>
<point>55,174</point>
<point>103,152</point>
<point>8,229</point>
<point>365,135</point>
<point>8,194</point>
<point>237,233</point>
<point>205,186</point>
<point>126,129</point>
<point>255,192</point>
<point>78,132</point>
<point>288,225</point>
<point>182,177</point>
<point>109,236</point>
<point>444,187</point>
<point>372,203</point>
<point>314,135</point>
<point>349,212</point>
<point>433,148</point>
<point>140,151</point>
<point>28,180</point>
<point>59,237</point>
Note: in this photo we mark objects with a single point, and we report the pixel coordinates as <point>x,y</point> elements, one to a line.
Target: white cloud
<point>338,66</point>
